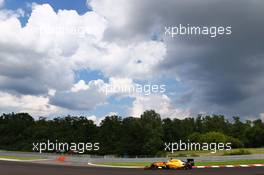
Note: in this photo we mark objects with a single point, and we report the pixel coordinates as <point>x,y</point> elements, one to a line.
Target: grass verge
<point>20,158</point>
<point>240,151</point>
<point>232,162</point>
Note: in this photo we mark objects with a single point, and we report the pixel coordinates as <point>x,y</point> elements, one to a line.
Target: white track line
<point>231,166</point>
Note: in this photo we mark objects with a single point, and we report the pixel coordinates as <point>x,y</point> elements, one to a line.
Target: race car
<point>173,164</point>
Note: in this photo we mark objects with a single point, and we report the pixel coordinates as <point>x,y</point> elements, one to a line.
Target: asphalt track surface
<point>21,168</point>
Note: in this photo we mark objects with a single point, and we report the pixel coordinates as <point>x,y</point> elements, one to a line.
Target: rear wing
<point>191,161</point>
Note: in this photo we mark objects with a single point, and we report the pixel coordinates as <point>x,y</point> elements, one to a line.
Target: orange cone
<point>61,158</point>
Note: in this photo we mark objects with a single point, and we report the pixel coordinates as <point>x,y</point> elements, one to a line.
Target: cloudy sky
<point>56,57</point>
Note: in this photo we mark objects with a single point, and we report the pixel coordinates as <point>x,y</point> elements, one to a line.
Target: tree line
<point>128,136</point>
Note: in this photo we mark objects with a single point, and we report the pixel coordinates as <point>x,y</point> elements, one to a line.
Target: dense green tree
<point>15,130</point>
<point>109,135</point>
<point>152,132</point>
<point>128,136</point>
<point>255,134</point>
<point>131,136</point>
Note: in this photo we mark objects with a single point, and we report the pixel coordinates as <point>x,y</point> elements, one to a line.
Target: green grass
<point>244,151</point>
<point>19,158</point>
<point>232,162</point>
<point>235,162</point>
<point>237,152</point>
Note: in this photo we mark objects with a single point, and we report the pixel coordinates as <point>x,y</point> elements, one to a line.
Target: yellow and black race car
<point>173,164</point>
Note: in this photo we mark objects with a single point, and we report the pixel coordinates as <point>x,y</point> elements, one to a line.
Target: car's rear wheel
<point>155,167</point>
<point>189,166</point>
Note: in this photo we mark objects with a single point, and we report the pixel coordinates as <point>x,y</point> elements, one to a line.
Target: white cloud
<point>39,59</point>
<point>92,117</point>
<point>54,47</point>
<point>112,113</point>
<point>34,58</point>
<point>86,96</point>
<point>157,101</point>
<point>137,60</point>
<point>81,85</point>
<point>29,64</point>
<point>2,2</point>
<point>160,103</point>
<point>262,116</point>
<point>116,12</point>
<point>37,106</point>
<point>81,97</point>
<point>66,24</point>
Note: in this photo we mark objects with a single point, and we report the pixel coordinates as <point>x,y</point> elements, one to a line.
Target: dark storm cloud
<point>224,72</point>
